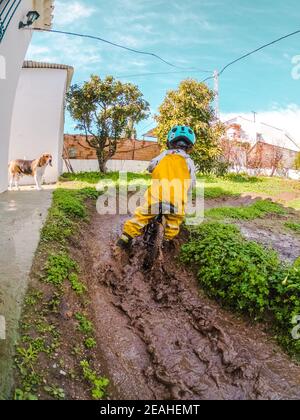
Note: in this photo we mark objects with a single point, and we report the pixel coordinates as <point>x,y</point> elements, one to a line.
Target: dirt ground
<point>160,338</point>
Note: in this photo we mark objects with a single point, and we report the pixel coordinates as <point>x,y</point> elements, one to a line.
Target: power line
<point>161,73</point>
<point>148,125</point>
<point>119,46</point>
<point>251,53</point>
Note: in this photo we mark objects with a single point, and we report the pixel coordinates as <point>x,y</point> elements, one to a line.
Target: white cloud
<point>129,40</point>
<point>69,12</point>
<point>286,119</point>
<point>74,52</point>
<point>35,50</point>
<point>40,53</point>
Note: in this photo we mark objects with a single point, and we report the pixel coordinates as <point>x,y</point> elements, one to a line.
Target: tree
<point>105,110</point>
<point>276,159</point>
<point>234,153</point>
<point>255,158</point>
<point>190,105</point>
<point>297,162</point>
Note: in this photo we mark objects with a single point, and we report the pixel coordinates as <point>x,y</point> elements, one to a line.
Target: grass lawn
<point>284,191</point>
<point>259,209</point>
<point>281,190</point>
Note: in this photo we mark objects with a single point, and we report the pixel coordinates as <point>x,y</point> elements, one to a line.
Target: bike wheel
<point>153,251</point>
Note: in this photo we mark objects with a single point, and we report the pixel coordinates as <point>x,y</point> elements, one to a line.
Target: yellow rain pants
<point>171,181</point>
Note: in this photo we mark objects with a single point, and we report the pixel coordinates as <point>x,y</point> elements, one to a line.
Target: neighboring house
<point>259,146</point>
<point>39,115</point>
<point>131,155</point>
<point>150,134</point>
<point>14,43</point>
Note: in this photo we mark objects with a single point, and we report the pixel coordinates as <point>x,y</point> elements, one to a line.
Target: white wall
<point>12,52</point>
<point>38,119</point>
<point>290,173</point>
<point>90,165</point>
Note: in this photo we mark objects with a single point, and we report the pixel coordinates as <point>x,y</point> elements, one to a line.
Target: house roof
<point>254,131</point>
<point>45,9</point>
<point>40,65</point>
<point>151,134</point>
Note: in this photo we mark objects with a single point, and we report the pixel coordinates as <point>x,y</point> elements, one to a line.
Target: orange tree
<point>105,110</point>
<point>191,104</point>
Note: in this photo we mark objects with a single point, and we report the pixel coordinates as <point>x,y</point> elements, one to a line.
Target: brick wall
<point>77,147</point>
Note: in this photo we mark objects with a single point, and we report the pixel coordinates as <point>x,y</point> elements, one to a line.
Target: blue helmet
<point>182,135</point>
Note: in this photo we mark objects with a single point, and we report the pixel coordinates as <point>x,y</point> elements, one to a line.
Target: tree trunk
<point>101,161</point>
<point>273,171</point>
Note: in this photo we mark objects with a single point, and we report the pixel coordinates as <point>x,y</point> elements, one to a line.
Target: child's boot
<point>125,242</point>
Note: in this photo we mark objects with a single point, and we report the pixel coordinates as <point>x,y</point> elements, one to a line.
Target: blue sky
<point>192,33</point>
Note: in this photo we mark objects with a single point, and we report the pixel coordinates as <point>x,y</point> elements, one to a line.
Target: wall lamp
<point>32,16</point>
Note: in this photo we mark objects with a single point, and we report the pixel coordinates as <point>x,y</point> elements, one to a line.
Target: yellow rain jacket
<point>173,174</point>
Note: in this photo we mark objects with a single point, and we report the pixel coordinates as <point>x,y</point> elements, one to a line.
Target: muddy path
<point>161,338</point>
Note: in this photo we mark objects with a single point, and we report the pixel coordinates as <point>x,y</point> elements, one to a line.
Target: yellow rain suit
<point>173,174</point>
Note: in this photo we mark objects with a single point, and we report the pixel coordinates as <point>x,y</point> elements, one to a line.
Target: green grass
<point>68,207</point>
<point>218,192</point>
<point>294,203</point>
<point>246,277</point>
<point>58,268</point>
<point>78,287</point>
<point>90,343</point>
<point>293,226</point>
<point>257,210</point>
<point>264,186</point>
<point>94,178</point>
<point>84,324</point>
<point>98,384</point>
<point>40,338</point>
<point>215,187</point>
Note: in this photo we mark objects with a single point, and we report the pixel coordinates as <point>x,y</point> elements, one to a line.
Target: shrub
<point>246,276</point>
<point>230,267</point>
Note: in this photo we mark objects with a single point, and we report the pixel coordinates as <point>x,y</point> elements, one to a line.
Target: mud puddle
<point>240,201</point>
<point>271,233</point>
<point>160,338</point>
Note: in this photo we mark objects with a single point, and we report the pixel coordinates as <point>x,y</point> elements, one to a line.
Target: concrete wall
<point>12,52</point>
<point>38,119</point>
<point>90,165</point>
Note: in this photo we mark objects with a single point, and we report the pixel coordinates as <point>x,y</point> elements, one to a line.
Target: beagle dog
<point>35,168</point>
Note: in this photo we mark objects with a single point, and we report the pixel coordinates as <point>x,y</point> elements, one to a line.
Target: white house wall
<point>38,118</point>
<point>12,52</point>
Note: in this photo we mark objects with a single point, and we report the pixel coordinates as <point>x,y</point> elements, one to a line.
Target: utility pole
<point>216,89</point>
<point>254,114</point>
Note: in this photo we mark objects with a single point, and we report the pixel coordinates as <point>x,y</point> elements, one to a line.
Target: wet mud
<point>161,338</point>
<point>271,233</point>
